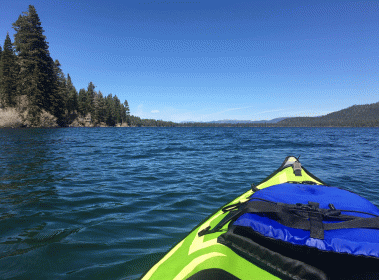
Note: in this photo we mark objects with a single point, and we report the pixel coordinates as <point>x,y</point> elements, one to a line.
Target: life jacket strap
<point>300,216</point>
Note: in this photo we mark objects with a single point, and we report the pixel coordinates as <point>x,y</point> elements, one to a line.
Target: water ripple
<point>100,203</point>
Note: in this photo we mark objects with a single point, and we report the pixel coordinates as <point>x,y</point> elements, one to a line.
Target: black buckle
<point>204,231</point>
<point>297,168</point>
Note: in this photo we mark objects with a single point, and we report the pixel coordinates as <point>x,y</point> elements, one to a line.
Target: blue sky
<point>215,60</point>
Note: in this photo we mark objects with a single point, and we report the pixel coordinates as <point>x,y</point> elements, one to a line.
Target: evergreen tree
<point>127,112</point>
<point>34,111</point>
<point>90,97</point>
<point>58,96</point>
<point>99,108</point>
<point>72,100</point>
<point>126,106</point>
<point>36,68</point>
<point>60,80</point>
<point>8,75</point>
<point>117,109</point>
<point>1,73</point>
<point>82,100</point>
<point>123,113</point>
<point>110,111</point>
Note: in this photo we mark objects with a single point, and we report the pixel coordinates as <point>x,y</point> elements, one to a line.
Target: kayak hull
<point>201,256</point>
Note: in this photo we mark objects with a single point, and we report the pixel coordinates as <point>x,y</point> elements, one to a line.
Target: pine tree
<point>36,68</point>
<point>58,96</point>
<point>72,100</point>
<point>127,112</point>
<point>8,75</point>
<point>90,97</point>
<point>99,108</point>
<point>102,108</point>
<point>123,113</point>
<point>110,111</point>
<point>82,100</point>
<point>1,73</point>
<point>117,111</point>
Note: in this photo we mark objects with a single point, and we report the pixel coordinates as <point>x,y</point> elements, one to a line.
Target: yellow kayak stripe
<point>191,266</point>
<point>198,243</point>
<point>283,178</point>
<point>155,267</point>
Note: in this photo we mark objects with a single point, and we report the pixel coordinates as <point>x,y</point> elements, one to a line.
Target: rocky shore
<point>12,118</point>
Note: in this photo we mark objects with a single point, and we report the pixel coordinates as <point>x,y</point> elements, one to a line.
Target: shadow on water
<point>30,169</point>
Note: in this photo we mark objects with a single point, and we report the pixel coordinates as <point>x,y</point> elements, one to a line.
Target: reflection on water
<point>27,184</point>
<point>100,203</point>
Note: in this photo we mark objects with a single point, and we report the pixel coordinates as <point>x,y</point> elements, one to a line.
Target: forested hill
<point>354,116</point>
<point>357,115</point>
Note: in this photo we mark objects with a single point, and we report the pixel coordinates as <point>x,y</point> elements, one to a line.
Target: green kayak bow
<point>208,252</point>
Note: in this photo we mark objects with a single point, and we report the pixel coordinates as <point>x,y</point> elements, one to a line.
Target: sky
<point>215,60</point>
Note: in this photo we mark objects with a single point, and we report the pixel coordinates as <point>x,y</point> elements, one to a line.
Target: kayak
<point>291,225</point>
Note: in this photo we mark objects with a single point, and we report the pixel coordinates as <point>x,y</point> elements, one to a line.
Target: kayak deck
<point>196,255</point>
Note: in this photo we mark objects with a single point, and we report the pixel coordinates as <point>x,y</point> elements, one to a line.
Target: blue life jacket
<point>355,241</point>
<point>299,231</point>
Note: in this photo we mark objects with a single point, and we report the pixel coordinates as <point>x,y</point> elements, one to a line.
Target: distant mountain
<point>230,121</point>
<point>354,116</point>
<point>276,120</point>
<point>357,115</point>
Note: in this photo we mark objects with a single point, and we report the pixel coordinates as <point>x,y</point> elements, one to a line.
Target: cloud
<point>155,111</point>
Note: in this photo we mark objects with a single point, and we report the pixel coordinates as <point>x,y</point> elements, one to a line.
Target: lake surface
<point>107,203</point>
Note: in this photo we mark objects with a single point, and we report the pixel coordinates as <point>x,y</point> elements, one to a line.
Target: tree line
<point>34,84</point>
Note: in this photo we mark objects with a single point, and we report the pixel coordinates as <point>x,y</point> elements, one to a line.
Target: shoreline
<point>179,126</point>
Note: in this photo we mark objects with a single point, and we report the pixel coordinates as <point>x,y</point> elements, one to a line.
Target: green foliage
<point>72,96</point>
<point>90,97</point>
<point>137,121</point>
<point>82,98</point>
<point>30,77</point>
<point>117,109</point>
<point>1,73</point>
<point>126,113</point>
<point>110,111</point>
<point>59,95</point>
<point>103,110</point>
<point>99,108</point>
<point>36,75</point>
<point>354,116</point>
<point>8,74</point>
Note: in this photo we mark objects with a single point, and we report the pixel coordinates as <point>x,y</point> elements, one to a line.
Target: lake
<point>98,203</point>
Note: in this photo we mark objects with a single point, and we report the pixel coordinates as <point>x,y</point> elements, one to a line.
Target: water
<point>99,203</point>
